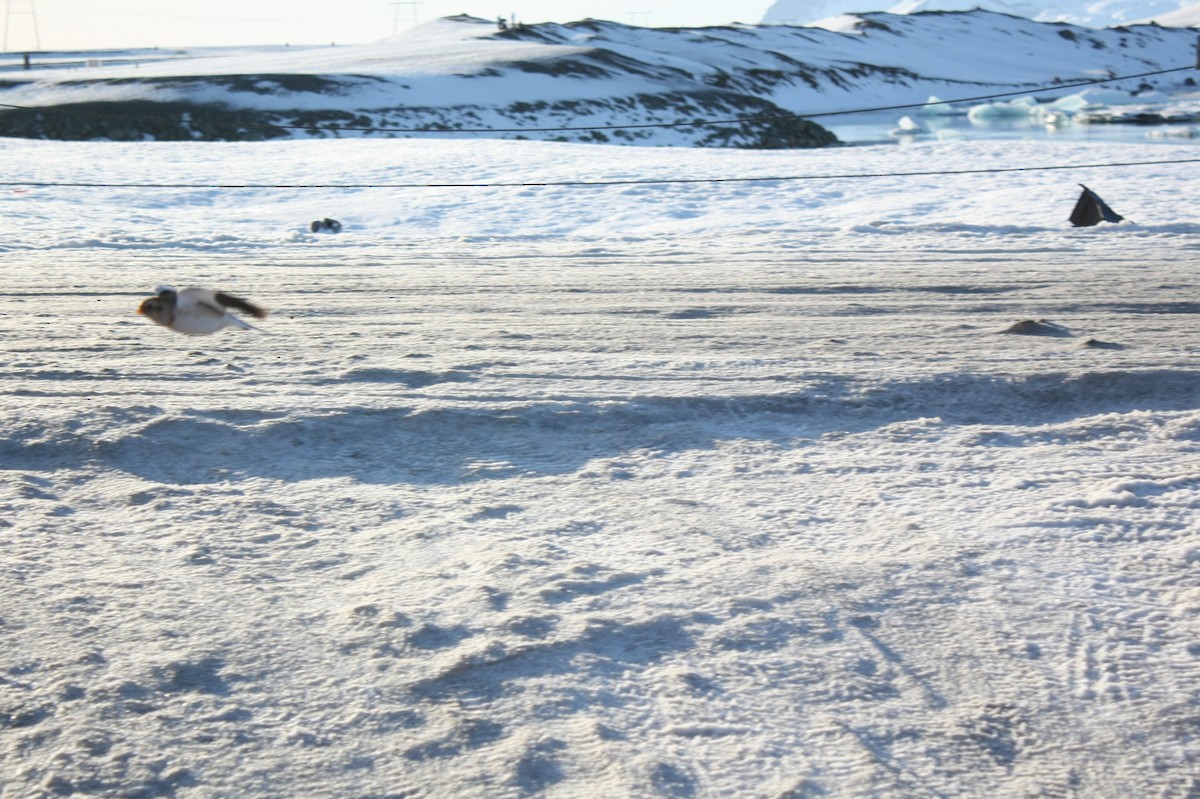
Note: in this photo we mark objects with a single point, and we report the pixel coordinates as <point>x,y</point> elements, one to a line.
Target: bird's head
<point>155,308</point>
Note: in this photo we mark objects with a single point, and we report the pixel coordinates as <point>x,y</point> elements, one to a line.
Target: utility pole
<point>412,7</point>
<point>16,8</point>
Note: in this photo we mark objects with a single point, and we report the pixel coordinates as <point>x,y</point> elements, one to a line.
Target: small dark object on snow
<point>1090,210</point>
<point>1097,344</point>
<point>1039,328</point>
<point>329,225</point>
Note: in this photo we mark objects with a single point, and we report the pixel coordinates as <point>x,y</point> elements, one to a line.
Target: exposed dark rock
<point>763,125</point>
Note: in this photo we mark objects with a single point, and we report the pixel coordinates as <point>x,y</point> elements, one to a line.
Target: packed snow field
<point>813,488</point>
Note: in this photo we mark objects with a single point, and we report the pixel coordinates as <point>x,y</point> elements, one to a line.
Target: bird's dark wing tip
<point>230,301</point>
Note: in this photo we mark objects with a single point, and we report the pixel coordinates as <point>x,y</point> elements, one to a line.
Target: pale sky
<point>83,24</point>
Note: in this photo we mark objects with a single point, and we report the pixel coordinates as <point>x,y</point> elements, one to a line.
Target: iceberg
<point>1020,107</point>
<point>935,107</point>
<point>907,126</point>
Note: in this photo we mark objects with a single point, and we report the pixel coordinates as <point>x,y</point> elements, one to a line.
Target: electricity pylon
<point>17,8</point>
<point>412,7</point>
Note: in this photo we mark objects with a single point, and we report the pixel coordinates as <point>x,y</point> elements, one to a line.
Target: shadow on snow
<point>453,445</point>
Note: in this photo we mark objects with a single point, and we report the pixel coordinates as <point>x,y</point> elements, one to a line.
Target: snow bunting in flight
<point>197,312</point>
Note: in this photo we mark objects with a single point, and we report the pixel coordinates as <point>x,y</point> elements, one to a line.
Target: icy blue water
<point>879,127</point>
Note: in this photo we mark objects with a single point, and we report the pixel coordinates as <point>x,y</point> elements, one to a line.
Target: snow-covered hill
<point>553,81</point>
<point>1108,13</point>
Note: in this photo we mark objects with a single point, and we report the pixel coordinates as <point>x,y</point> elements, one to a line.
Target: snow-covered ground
<point>658,490</point>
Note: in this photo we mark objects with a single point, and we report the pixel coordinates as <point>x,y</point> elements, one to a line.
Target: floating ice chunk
<point>1099,96</point>
<point>1071,103</point>
<point>907,126</point>
<point>934,107</point>
<point>1050,117</point>
<point>1015,108</point>
<point>1056,120</point>
<point>985,111</point>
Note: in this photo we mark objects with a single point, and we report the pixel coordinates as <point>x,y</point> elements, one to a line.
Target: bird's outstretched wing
<point>237,303</point>
<point>217,302</point>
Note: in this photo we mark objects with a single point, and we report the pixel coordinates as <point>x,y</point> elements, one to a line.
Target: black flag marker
<point>1090,210</point>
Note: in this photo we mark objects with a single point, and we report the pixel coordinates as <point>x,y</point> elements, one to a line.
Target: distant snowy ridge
<point>591,81</point>
<point>1172,13</point>
<point>1185,17</point>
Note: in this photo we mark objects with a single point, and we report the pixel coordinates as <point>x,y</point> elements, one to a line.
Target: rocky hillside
<point>751,86</point>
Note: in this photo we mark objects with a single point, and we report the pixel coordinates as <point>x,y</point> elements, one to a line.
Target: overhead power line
<point>567,128</point>
<point>581,183</point>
